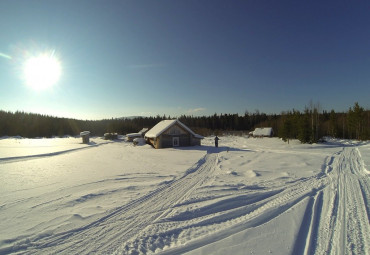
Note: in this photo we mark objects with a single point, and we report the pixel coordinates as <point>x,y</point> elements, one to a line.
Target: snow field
<point>250,196</point>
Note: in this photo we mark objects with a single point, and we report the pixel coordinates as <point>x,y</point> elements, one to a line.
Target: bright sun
<point>42,71</point>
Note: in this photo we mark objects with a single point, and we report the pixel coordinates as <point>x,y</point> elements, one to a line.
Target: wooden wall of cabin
<point>195,141</point>
<point>167,140</point>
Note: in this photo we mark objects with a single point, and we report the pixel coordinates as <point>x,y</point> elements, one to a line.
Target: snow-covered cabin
<point>263,132</point>
<point>172,133</point>
<point>140,134</point>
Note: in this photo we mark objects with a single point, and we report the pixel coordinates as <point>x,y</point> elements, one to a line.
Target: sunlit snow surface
<point>249,196</point>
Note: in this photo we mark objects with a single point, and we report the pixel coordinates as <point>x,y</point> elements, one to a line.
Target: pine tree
<point>304,127</point>
<point>357,120</point>
<point>333,129</point>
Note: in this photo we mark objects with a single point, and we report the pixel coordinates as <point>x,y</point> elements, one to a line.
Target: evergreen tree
<point>356,120</point>
<point>304,127</point>
<point>333,127</point>
<point>307,126</point>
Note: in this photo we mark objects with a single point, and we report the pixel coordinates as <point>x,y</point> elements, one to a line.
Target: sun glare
<point>42,71</point>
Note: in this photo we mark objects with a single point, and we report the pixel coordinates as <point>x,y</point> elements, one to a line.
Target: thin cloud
<point>196,110</point>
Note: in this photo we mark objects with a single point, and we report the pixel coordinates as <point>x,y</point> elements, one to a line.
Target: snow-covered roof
<point>162,126</point>
<point>143,130</point>
<point>266,131</point>
<point>84,133</point>
<point>140,133</point>
<point>133,134</point>
<point>198,136</point>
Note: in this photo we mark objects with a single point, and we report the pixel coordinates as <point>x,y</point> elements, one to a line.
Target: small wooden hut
<point>172,133</point>
<point>85,136</point>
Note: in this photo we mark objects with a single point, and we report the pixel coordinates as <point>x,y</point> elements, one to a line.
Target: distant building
<point>85,136</point>
<point>172,133</point>
<point>263,132</point>
<point>140,134</point>
<point>110,136</point>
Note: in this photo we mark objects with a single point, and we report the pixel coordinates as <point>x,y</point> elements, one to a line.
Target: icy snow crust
<point>249,196</point>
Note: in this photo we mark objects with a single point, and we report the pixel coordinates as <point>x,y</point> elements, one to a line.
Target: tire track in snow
<point>337,215</point>
<point>344,228</point>
<point>337,222</point>
<point>314,220</point>
<point>209,229</point>
<point>109,232</point>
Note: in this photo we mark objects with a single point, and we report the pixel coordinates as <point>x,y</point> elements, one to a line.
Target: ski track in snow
<point>336,220</point>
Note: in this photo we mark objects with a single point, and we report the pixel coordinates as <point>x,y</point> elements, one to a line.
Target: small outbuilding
<point>263,132</point>
<point>85,136</point>
<point>140,134</point>
<point>172,133</point>
<point>110,136</point>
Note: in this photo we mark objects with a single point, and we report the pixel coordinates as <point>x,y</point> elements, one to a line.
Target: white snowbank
<point>139,141</point>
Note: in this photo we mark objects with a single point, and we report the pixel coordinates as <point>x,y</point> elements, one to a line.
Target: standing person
<point>216,141</point>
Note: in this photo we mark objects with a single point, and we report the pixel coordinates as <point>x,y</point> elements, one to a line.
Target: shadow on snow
<point>211,149</point>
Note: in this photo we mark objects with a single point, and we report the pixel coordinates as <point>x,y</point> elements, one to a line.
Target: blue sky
<point>125,58</point>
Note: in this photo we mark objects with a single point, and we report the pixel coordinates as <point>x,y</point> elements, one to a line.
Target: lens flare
<point>42,71</point>
<point>5,56</point>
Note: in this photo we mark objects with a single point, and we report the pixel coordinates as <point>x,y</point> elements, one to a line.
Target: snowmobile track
<point>336,219</point>
<point>344,227</point>
<point>108,233</point>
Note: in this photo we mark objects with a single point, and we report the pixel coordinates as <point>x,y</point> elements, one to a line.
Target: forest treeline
<point>307,126</point>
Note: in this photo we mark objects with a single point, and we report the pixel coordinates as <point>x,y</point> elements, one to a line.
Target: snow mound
<point>139,141</point>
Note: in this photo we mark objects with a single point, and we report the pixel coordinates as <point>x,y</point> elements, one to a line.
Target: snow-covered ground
<point>249,196</point>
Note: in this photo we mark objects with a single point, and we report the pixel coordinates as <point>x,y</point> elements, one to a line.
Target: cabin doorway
<point>175,141</point>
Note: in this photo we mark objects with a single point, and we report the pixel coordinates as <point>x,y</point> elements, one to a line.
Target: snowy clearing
<point>249,196</point>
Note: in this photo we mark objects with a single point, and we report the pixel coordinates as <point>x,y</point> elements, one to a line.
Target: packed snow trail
<point>336,219</point>
<point>106,234</point>
<point>212,223</point>
<point>344,218</point>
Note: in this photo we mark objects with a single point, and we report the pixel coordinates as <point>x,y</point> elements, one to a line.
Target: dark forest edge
<point>307,126</point>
